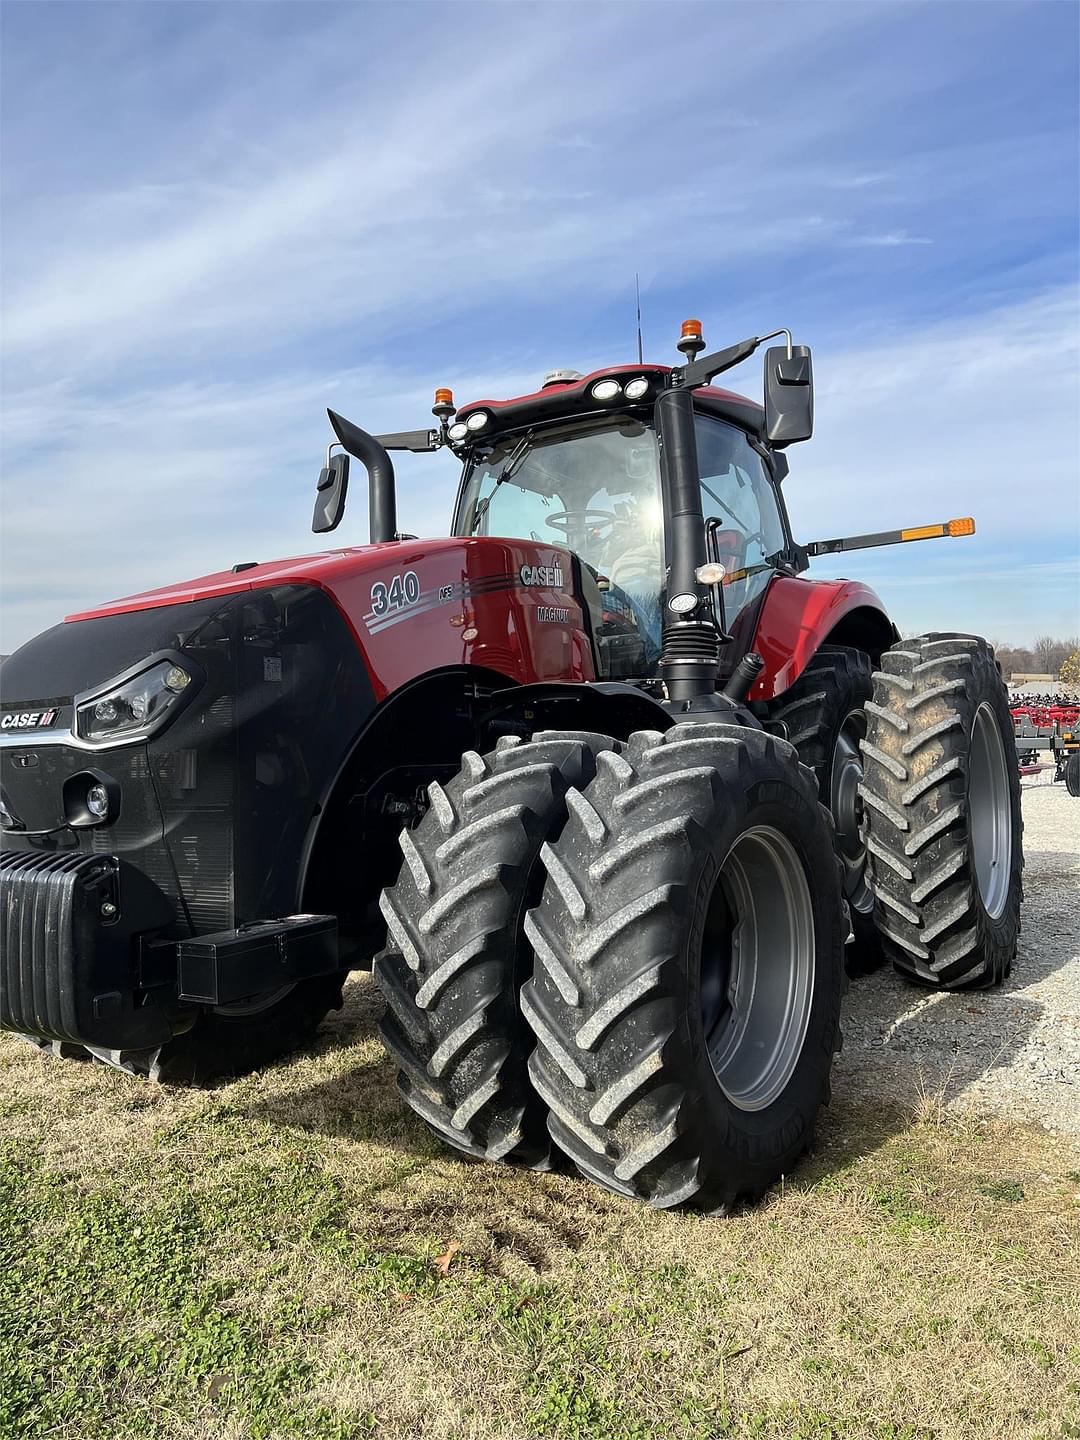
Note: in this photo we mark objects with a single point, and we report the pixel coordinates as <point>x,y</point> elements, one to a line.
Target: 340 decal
<point>402,591</point>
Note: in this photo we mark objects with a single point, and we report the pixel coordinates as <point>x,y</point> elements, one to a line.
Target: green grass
<point>256,1262</point>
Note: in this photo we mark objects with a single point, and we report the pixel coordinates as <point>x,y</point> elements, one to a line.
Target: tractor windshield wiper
<point>514,462</point>
<point>727,508</point>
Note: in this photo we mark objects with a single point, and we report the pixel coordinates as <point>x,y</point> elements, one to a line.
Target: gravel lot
<point>1014,1051</point>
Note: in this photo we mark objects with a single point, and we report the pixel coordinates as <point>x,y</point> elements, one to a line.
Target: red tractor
<point>602,785</point>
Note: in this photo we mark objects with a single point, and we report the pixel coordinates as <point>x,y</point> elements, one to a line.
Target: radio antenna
<point>640,350</point>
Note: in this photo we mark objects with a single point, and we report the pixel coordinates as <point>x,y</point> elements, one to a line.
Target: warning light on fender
<point>964,526</point>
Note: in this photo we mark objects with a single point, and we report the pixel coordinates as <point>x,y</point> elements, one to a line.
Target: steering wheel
<point>560,520</point>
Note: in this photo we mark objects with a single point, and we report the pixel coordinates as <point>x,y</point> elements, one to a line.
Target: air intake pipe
<point>690,656</point>
<point>382,493</point>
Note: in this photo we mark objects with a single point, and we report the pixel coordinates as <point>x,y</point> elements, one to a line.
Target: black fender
<point>418,734</point>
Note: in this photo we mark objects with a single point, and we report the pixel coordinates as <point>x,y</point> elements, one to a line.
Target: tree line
<point>1046,656</point>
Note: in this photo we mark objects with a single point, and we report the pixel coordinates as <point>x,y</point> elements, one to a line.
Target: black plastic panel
<point>216,808</point>
<point>68,659</point>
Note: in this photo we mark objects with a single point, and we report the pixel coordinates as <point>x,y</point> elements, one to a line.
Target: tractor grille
<point>49,907</point>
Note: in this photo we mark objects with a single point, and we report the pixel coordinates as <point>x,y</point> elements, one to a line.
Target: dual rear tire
<point>916,762</point>
<point>943,827</point>
<point>824,715</point>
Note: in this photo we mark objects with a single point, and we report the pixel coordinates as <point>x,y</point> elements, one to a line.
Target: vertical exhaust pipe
<point>382,492</point>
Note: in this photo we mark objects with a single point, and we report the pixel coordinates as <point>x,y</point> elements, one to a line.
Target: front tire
<point>689,968</point>
<point>456,956</point>
<point>942,795</point>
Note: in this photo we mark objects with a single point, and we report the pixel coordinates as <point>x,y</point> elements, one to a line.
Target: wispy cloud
<point>859,181</point>
<point>890,239</point>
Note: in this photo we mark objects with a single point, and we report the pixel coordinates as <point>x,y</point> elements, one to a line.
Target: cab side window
<point>740,509</point>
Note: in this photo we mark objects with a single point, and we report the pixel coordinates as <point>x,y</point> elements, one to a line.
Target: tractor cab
<point>664,489</point>
<point>593,484</point>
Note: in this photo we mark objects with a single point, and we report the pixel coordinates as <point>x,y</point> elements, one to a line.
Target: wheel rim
<point>989,811</point>
<point>846,807</point>
<point>757,968</point>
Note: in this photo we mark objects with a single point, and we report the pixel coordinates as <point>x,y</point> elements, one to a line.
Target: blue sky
<point>218,219</point>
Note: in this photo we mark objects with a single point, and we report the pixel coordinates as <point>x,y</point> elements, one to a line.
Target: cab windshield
<point>596,491</point>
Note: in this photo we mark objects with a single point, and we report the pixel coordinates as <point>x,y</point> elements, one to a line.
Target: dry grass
<point>256,1261</point>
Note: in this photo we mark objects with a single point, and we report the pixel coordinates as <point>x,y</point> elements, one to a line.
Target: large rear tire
<point>942,796</point>
<point>689,967</point>
<point>1072,774</point>
<point>456,956</point>
<point>824,712</point>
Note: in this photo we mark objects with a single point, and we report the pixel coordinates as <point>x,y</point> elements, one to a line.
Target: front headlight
<point>132,707</point>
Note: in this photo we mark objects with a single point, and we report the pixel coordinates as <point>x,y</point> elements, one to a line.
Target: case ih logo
<point>28,719</point>
<point>549,575</point>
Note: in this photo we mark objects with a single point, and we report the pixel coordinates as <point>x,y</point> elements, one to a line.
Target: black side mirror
<point>331,489</point>
<point>789,394</point>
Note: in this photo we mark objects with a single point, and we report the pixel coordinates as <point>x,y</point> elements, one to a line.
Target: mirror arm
<point>700,372</point>
<point>420,442</point>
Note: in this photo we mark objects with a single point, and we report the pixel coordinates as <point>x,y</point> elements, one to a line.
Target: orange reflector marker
<point>691,330</point>
<point>444,397</point>
<point>923,532</point>
<point>964,526</point>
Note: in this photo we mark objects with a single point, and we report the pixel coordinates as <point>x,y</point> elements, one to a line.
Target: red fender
<point>799,616</point>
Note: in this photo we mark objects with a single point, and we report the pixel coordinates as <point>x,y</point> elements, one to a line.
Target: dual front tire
<point>456,957</point>
<point>689,971</point>
<point>682,899</point>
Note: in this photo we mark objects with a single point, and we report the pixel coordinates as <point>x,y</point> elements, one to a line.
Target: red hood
<point>323,570</point>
